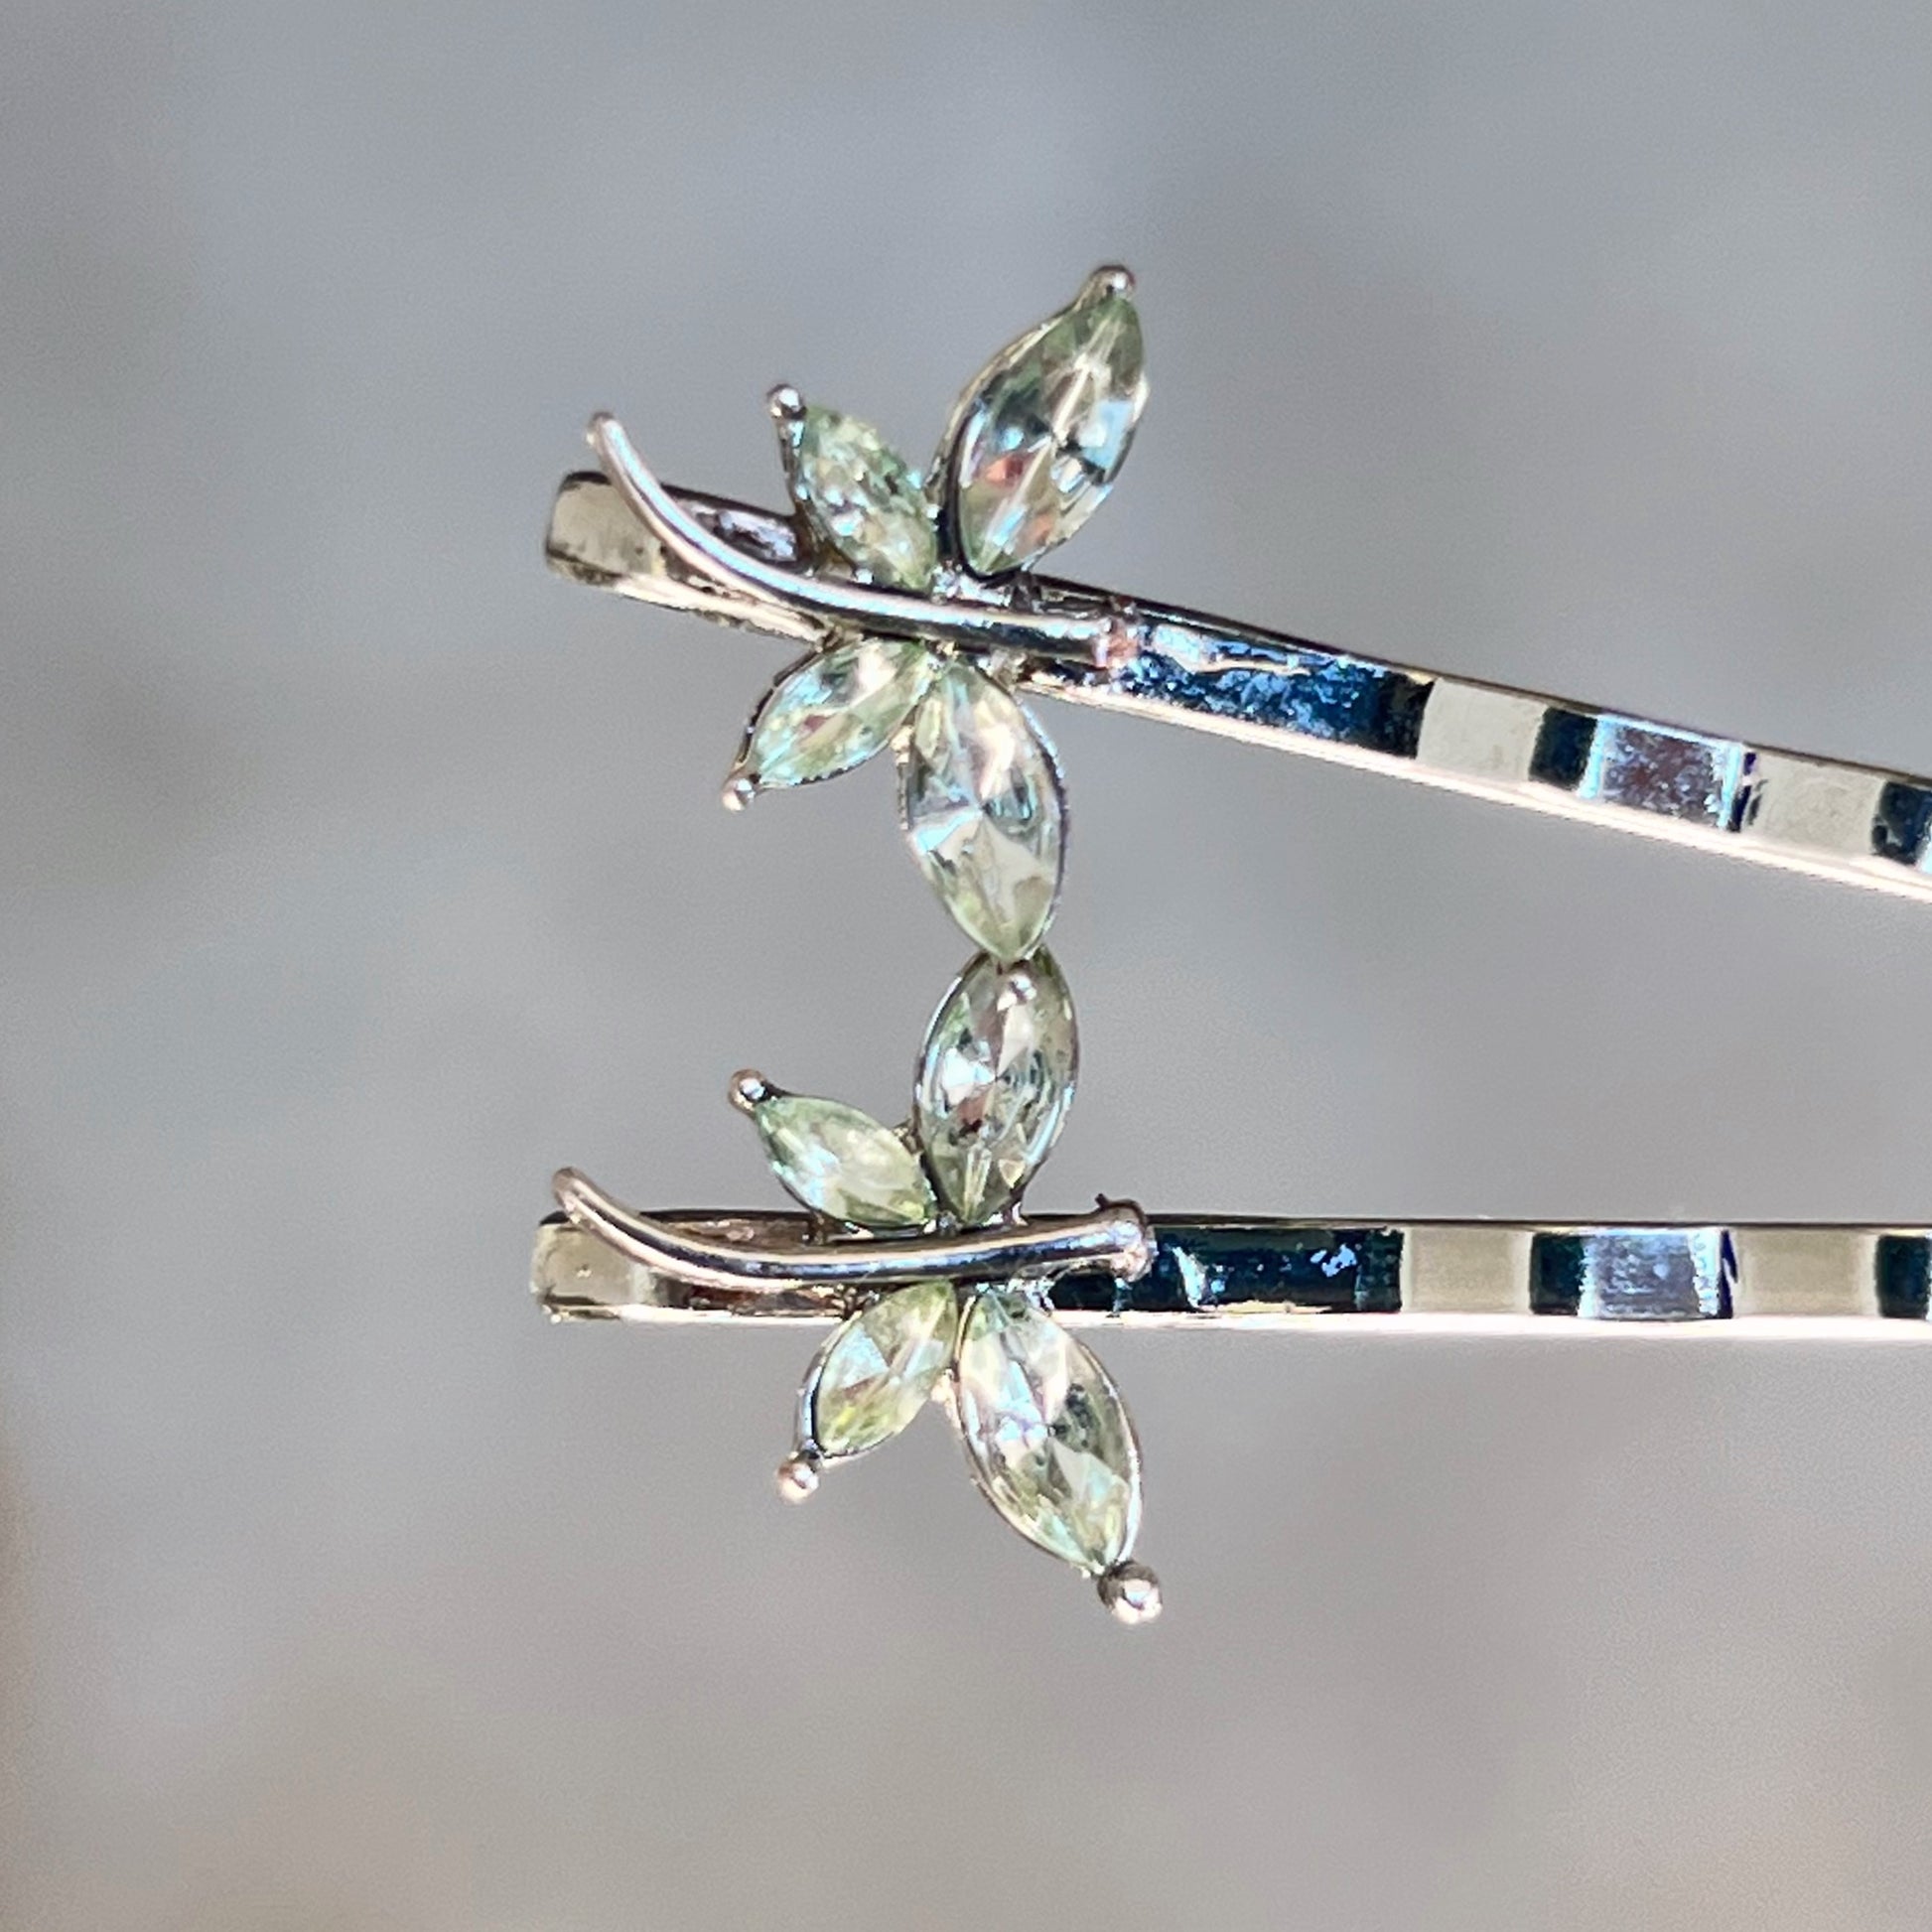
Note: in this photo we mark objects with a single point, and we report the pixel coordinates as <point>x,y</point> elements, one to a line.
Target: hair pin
<point>925,629</point>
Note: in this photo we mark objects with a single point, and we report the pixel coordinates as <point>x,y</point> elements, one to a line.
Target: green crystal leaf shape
<point>1046,1435</point>
<point>833,711</point>
<point>1041,441</point>
<point>982,810</point>
<point>862,499</point>
<point>996,1078</point>
<point>843,1164</point>
<point>880,1367</point>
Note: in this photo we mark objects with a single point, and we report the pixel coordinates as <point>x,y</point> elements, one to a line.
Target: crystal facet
<point>863,499</point>
<point>842,1162</point>
<point>996,1078</point>
<point>981,806</point>
<point>1045,439</point>
<point>880,1366</point>
<point>1045,1431</point>
<point>835,710</point>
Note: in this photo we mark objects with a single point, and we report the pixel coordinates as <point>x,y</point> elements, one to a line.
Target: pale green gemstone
<point>1047,436</point>
<point>863,499</point>
<point>996,1078</point>
<point>981,806</point>
<point>835,710</point>
<point>843,1164</point>
<point>1046,1431</point>
<point>880,1367</point>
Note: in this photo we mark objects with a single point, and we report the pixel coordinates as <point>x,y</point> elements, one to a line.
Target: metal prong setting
<point>787,409</point>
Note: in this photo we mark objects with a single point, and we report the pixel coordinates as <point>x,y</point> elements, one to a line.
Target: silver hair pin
<point>924,626</point>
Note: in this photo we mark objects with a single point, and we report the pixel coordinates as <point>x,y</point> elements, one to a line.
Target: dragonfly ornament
<point>1031,450</point>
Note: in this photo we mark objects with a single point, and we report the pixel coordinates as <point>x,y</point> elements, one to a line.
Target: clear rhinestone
<point>1042,444</point>
<point>842,1162</point>
<point>996,1078</point>
<point>1046,1433</point>
<point>880,1367</point>
<point>834,711</point>
<point>862,499</point>
<point>982,808</point>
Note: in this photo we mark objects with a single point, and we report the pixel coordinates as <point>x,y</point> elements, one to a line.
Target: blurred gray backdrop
<point>353,873</point>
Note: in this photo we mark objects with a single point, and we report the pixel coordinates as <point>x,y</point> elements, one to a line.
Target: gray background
<point>354,873</point>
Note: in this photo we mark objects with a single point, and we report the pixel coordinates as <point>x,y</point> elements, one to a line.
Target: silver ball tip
<point>797,1477</point>
<point>747,1089</point>
<point>1132,1591</point>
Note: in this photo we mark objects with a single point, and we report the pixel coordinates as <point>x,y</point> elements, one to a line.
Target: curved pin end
<point>785,404</point>
<point>698,549</point>
<point>740,788</point>
<point>617,457</point>
<point>1109,279</point>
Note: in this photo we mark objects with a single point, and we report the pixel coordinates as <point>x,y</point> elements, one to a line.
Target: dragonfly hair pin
<point>923,629</point>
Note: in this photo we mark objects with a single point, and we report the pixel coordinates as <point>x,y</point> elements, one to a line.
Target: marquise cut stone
<point>996,1078</point>
<point>1046,1433</point>
<point>863,499</point>
<point>835,710</point>
<point>880,1367</point>
<point>843,1164</point>
<point>981,806</point>
<point>1046,439</point>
